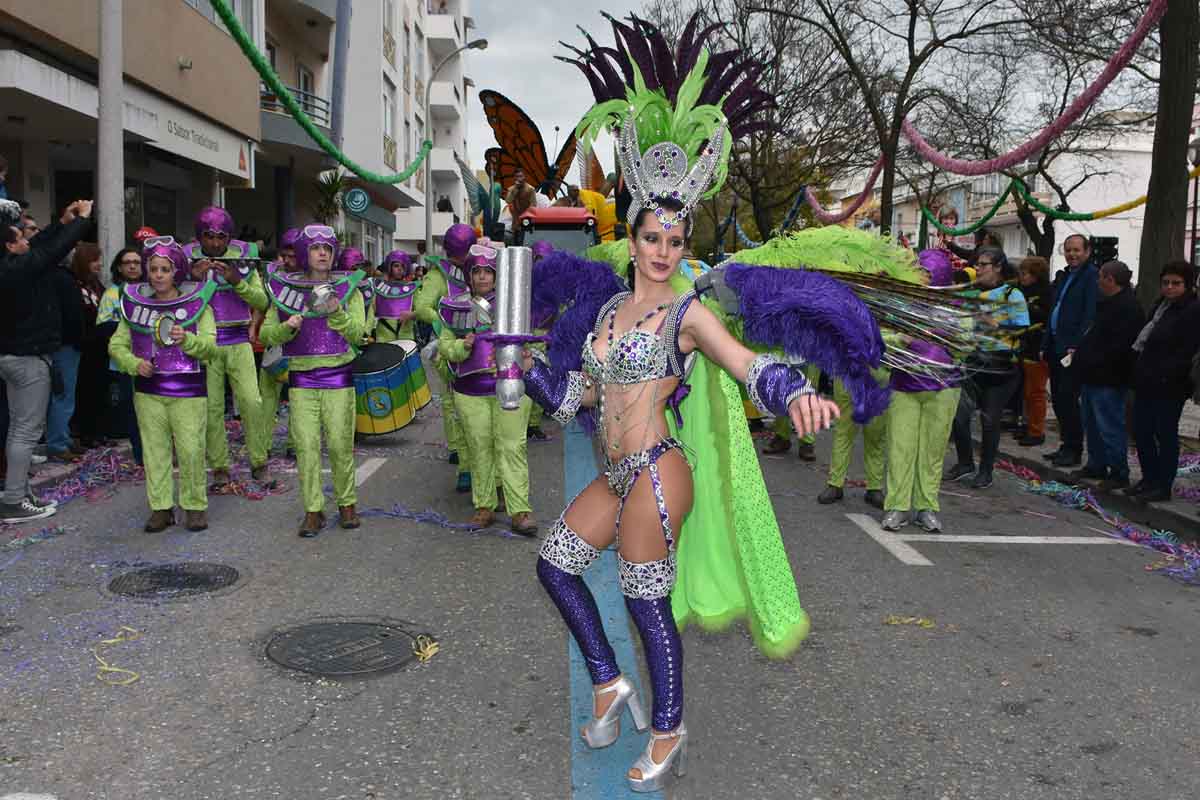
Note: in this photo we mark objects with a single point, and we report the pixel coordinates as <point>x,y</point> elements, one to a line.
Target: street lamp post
<point>478,44</point>
<point>1194,160</point>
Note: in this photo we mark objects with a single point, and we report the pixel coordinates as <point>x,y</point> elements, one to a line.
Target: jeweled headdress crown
<point>667,150</point>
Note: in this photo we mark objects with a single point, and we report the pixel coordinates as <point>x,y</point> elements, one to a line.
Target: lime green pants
<point>330,411</point>
<point>260,435</point>
<point>451,424</point>
<point>235,362</point>
<point>496,440</point>
<point>844,432</point>
<point>918,430</point>
<point>178,421</point>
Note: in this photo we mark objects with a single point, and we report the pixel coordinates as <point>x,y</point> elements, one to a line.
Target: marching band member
<point>239,292</point>
<point>167,361</point>
<point>318,335</point>
<point>270,379</point>
<point>448,280</point>
<point>394,298</point>
<point>495,438</point>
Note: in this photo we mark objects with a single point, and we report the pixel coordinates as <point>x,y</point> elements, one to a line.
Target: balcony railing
<point>419,90</point>
<point>389,47</point>
<point>316,107</point>
<point>389,151</point>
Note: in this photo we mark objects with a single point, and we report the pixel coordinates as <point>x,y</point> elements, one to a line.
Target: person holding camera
<point>30,331</point>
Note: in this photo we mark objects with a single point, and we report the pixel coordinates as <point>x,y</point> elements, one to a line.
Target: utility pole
<point>341,62</point>
<point>110,155</point>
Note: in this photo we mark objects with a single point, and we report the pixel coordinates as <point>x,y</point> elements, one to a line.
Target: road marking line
<point>890,541</point>
<point>956,539</point>
<point>367,469</point>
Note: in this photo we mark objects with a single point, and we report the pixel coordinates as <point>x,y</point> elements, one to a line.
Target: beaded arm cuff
<point>773,385</point>
<point>560,394</point>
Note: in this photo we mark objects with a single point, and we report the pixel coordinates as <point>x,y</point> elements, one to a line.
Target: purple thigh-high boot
<point>647,589</point>
<point>563,558</point>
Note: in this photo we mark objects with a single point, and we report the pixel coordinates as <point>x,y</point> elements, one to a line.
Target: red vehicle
<point>570,229</point>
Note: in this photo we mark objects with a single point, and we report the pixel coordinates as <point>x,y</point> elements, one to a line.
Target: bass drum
<point>389,387</point>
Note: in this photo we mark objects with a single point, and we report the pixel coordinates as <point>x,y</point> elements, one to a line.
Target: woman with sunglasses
<point>165,335</point>
<point>319,318</point>
<point>495,438</point>
<point>448,280</point>
<point>239,293</point>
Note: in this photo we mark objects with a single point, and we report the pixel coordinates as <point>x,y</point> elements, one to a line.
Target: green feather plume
<point>686,124</point>
<point>835,248</point>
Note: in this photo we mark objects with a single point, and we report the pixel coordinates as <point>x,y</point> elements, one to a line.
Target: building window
<point>420,56</point>
<point>271,53</point>
<point>389,107</point>
<point>408,153</point>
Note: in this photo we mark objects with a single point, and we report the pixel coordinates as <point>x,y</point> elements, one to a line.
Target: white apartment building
<point>427,31</point>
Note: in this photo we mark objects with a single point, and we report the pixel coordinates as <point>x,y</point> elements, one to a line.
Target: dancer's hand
<point>178,334</point>
<point>294,322</point>
<point>526,360</point>
<point>200,268</point>
<point>469,341</point>
<point>811,413</point>
<point>145,369</point>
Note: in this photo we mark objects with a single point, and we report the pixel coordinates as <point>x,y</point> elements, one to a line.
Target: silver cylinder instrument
<point>514,286</point>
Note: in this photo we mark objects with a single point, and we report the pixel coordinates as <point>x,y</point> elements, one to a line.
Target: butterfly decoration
<point>522,146</point>
<point>484,200</point>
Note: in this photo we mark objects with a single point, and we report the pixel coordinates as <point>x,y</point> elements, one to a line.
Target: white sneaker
<point>25,511</point>
<point>37,458</point>
<point>37,501</point>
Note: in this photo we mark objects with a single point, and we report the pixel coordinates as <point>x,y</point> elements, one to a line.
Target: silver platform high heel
<point>603,731</point>
<point>654,776</point>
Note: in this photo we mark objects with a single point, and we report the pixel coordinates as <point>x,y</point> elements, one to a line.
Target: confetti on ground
<point>920,622</point>
<point>24,539</point>
<point>1185,564</point>
<point>431,517</point>
<point>108,673</point>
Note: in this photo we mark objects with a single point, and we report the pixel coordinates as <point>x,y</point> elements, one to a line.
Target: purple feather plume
<point>817,318</point>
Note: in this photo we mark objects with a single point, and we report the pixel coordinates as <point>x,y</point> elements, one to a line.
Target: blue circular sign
<point>356,201</point>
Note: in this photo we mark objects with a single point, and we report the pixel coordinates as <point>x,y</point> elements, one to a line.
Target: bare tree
<point>815,131</point>
<point>892,50</point>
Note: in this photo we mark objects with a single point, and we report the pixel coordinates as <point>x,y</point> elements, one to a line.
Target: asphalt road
<point>1046,670</point>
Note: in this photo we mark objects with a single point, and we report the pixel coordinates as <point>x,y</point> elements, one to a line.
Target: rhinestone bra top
<point>637,355</point>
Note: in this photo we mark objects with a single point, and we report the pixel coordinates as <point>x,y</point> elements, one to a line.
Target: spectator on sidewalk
<point>30,330</point>
<point>1034,276</point>
<point>1071,314</point>
<point>995,378</point>
<point>91,387</point>
<point>1162,383</point>
<point>1104,361</point>
<point>64,364</point>
<point>126,268</point>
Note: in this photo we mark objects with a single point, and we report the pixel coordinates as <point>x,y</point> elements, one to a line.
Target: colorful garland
<point>1181,560</point>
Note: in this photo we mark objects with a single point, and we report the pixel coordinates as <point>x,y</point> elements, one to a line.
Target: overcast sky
<point>523,39</point>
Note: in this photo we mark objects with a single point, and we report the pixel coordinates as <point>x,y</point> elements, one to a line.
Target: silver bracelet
<point>572,399</point>
<point>760,362</point>
<point>803,390</point>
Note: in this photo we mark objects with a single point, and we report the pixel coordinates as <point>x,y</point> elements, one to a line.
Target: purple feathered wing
<point>817,318</point>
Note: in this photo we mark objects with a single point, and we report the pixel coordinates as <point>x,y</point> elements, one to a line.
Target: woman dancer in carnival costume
<point>448,280</point>
<point>271,377</point>
<point>165,336</point>
<point>495,437</point>
<point>634,363</point>
<point>239,293</point>
<point>319,318</point>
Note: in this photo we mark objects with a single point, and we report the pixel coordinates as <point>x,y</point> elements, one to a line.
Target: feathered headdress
<point>668,150</point>
<point>729,78</point>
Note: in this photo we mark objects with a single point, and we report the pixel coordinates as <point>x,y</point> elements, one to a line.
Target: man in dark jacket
<point>1104,364</point>
<point>30,330</point>
<point>1071,315</point>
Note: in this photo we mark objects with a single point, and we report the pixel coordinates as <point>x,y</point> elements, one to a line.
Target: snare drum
<point>275,364</point>
<point>385,400</point>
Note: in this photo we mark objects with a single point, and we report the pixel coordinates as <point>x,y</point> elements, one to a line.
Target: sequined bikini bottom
<point>623,474</point>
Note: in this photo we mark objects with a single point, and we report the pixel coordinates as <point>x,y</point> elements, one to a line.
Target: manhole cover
<point>341,649</point>
<point>171,581</point>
